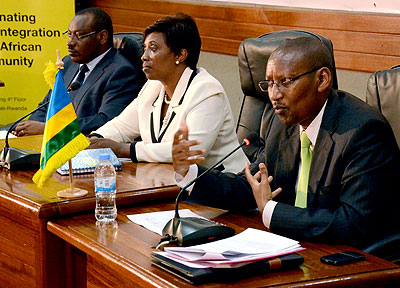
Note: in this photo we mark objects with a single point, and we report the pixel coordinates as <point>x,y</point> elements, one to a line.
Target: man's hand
<point>122,150</point>
<point>182,157</point>
<point>29,127</point>
<point>260,185</point>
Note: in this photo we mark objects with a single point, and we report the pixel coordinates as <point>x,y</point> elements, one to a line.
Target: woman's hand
<point>122,150</point>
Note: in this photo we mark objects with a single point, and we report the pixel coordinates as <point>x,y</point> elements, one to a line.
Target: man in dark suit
<point>350,193</point>
<point>107,86</point>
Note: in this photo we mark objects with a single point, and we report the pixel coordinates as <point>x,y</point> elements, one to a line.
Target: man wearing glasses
<point>328,170</point>
<point>107,80</point>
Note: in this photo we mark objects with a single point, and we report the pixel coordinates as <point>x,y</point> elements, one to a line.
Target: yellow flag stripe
<point>59,121</point>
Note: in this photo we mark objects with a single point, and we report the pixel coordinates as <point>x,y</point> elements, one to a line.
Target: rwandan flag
<point>62,138</point>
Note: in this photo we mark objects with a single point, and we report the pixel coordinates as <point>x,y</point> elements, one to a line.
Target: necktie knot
<point>304,141</point>
<point>83,68</point>
<point>81,75</point>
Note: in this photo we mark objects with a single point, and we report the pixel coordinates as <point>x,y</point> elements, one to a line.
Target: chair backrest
<point>256,110</point>
<point>131,46</point>
<point>383,93</point>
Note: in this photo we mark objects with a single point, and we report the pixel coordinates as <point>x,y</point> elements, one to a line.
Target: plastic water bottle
<point>105,185</point>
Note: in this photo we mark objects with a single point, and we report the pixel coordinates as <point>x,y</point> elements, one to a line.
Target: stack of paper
<point>249,246</point>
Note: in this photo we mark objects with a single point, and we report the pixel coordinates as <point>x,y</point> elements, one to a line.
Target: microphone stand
<point>10,154</point>
<point>178,228</point>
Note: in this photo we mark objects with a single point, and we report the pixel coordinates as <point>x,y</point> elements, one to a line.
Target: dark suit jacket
<point>352,192</point>
<point>108,89</point>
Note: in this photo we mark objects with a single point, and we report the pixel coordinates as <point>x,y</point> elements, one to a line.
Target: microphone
<point>19,158</point>
<point>192,230</point>
<point>74,86</point>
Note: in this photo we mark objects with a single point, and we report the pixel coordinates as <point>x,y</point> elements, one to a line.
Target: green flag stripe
<point>59,140</point>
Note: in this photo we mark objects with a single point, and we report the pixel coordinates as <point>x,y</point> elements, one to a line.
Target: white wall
<point>353,82</point>
<point>380,6</point>
<point>225,69</point>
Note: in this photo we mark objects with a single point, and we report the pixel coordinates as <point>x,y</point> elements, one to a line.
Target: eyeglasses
<point>68,35</point>
<point>284,82</point>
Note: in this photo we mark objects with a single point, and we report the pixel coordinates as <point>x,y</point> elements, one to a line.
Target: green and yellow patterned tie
<point>306,157</point>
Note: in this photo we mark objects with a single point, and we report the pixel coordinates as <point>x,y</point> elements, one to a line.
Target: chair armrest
<point>387,248</point>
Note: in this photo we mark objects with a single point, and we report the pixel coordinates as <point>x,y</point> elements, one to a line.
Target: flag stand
<point>65,143</point>
<point>71,192</point>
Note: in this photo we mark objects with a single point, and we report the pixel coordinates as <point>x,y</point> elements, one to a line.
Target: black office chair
<point>256,110</point>
<point>387,248</point>
<point>383,93</point>
<point>131,46</point>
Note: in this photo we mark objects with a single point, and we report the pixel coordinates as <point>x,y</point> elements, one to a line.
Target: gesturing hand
<point>260,185</point>
<point>182,157</point>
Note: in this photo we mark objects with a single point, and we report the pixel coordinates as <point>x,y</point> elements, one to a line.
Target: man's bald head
<point>310,51</point>
<point>299,78</point>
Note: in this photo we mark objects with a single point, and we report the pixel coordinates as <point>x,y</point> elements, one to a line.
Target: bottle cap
<point>104,157</point>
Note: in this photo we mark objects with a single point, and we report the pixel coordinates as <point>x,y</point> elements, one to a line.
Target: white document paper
<point>155,221</point>
<point>238,262</point>
<point>250,244</point>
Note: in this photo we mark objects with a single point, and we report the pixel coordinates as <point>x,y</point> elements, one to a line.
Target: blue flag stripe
<point>61,100</point>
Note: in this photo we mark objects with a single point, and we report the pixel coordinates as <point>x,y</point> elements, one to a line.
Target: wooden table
<point>119,256</point>
<point>30,256</point>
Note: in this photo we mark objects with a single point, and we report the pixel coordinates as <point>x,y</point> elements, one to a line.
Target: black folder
<point>204,275</point>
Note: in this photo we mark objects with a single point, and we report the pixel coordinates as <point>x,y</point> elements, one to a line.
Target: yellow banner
<point>30,33</point>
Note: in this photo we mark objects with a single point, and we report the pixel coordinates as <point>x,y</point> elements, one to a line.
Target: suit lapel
<point>97,72</point>
<point>70,73</point>
<point>174,105</point>
<point>157,113</point>
<point>322,149</point>
<point>287,162</point>
<point>181,89</point>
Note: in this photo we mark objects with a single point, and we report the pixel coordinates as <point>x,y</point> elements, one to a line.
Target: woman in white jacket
<point>176,91</point>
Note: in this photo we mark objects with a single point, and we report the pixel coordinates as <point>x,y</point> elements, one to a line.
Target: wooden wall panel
<point>17,264</point>
<point>362,41</point>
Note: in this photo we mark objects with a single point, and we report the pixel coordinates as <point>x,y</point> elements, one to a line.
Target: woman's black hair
<point>180,32</point>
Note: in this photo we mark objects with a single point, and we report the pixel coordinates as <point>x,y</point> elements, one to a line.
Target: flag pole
<point>71,176</point>
<point>70,192</point>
